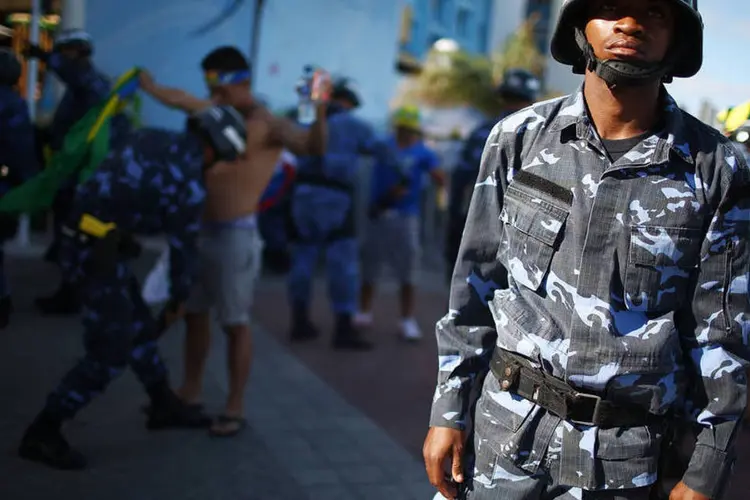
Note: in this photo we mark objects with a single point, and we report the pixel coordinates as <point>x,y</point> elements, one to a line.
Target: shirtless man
<point>231,245</point>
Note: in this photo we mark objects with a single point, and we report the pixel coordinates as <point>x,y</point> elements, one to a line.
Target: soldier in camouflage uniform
<point>85,88</point>
<point>518,90</point>
<point>153,184</point>
<point>18,161</point>
<point>623,224</point>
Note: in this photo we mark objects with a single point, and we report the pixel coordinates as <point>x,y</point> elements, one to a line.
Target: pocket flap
<point>658,246</point>
<point>533,216</point>
<point>501,409</point>
<point>627,443</point>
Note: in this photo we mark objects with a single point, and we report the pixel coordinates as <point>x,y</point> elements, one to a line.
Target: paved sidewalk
<point>303,440</point>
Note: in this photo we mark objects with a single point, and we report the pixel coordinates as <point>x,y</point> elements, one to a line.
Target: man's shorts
<point>392,239</point>
<point>230,260</point>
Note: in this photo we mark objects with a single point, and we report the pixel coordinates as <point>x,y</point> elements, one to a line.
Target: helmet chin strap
<point>623,73</point>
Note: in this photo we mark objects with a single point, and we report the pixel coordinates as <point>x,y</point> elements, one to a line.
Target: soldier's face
<point>631,30</point>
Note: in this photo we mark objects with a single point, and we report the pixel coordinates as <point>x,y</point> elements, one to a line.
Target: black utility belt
<point>323,181</point>
<point>109,243</point>
<point>561,399</point>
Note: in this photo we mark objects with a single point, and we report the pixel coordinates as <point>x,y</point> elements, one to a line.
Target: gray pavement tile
<point>315,477</point>
<point>362,474</point>
<point>329,493</point>
<point>303,439</point>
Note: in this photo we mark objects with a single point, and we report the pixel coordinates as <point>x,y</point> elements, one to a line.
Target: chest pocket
<point>533,227</point>
<point>661,263</point>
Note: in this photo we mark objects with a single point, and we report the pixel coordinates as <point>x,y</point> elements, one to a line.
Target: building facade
<point>355,38</point>
<point>465,21</point>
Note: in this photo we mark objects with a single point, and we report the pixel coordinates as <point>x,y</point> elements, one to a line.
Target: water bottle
<point>306,106</point>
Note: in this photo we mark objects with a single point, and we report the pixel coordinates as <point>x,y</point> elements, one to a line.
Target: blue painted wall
<point>155,34</point>
<point>356,37</point>
<point>466,21</point>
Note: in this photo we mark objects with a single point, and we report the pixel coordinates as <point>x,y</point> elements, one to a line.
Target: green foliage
<point>453,79</point>
<point>450,79</point>
<point>519,51</point>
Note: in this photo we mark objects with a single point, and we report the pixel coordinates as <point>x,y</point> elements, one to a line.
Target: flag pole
<point>32,77</point>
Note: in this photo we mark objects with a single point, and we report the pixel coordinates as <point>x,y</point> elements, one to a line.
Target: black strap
<point>323,181</point>
<point>561,399</point>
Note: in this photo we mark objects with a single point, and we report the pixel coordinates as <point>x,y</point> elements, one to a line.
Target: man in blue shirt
<point>393,234</point>
<point>518,90</point>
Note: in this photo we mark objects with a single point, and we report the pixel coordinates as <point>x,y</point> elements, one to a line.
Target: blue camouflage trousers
<point>322,220</point>
<point>492,476</point>
<point>342,270</point>
<point>119,331</point>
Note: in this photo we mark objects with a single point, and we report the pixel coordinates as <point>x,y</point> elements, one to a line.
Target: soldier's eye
<point>657,11</point>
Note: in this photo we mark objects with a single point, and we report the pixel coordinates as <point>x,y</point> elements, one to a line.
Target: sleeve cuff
<point>447,411</point>
<point>709,471</point>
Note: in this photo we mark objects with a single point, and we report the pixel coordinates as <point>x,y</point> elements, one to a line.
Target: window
<point>462,22</point>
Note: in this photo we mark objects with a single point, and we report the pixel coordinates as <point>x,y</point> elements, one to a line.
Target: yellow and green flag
<point>733,118</point>
<point>85,146</point>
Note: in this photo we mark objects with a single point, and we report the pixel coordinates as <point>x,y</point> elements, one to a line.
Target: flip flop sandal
<point>226,426</point>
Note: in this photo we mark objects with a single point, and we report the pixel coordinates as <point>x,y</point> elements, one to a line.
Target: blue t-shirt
<point>415,161</point>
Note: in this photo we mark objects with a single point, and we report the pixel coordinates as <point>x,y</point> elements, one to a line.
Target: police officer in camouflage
<point>153,184</point>
<point>623,223</point>
<point>519,89</point>
<point>322,218</point>
<point>18,160</point>
<point>85,87</point>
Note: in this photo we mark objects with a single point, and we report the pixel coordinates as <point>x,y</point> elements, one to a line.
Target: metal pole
<point>32,77</point>
<point>255,41</point>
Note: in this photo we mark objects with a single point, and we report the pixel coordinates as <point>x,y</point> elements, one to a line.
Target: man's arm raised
<point>171,97</point>
<point>300,141</point>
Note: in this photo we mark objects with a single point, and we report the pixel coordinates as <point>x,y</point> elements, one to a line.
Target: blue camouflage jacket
<point>349,138</point>
<point>85,89</point>
<point>17,140</point>
<point>628,280</point>
<point>153,184</point>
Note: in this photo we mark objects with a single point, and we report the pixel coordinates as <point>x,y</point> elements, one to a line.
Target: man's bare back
<point>234,188</point>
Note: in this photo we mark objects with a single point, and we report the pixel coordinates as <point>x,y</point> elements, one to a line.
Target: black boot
<point>348,337</point>
<point>43,442</point>
<point>63,302</point>
<point>167,411</point>
<point>302,327</point>
<point>6,308</point>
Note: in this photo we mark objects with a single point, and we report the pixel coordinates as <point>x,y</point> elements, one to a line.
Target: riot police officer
<point>85,87</point>
<point>622,222</point>
<point>18,159</point>
<point>153,183</point>
<point>322,218</point>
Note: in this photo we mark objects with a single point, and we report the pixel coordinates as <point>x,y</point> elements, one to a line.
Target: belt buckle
<point>593,403</point>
